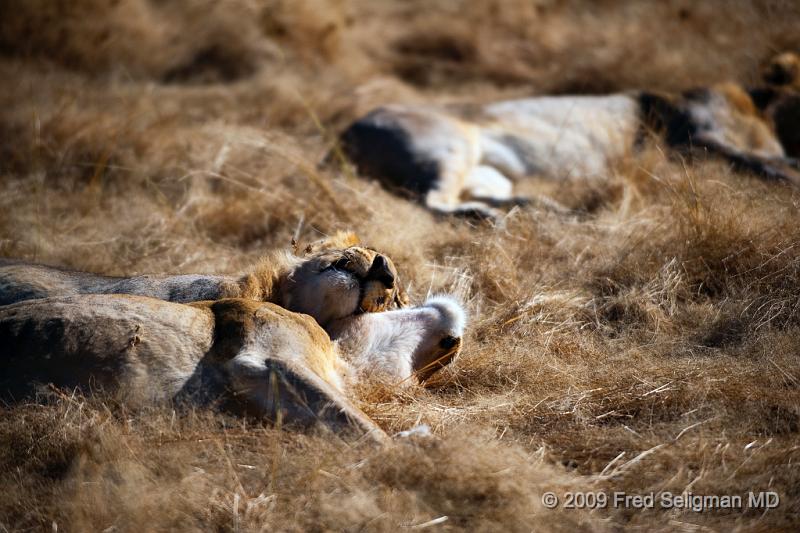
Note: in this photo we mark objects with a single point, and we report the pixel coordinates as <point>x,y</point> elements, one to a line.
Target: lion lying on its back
<point>333,279</point>
<point>245,356</point>
<point>464,160</point>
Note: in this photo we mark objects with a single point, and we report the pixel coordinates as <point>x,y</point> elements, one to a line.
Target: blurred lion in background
<point>464,160</point>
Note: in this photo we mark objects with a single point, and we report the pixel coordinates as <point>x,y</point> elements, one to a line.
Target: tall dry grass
<point>649,343</point>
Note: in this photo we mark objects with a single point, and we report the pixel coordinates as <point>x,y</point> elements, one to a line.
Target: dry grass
<point>649,344</point>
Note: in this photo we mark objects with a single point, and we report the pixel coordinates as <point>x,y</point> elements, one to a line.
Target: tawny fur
<point>245,356</point>
<point>327,282</point>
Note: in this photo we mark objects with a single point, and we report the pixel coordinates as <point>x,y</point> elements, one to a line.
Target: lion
<point>464,160</point>
<point>780,99</point>
<point>243,356</point>
<point>333,278</point>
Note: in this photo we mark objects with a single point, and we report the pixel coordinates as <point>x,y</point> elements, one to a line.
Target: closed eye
<point>339,264</point>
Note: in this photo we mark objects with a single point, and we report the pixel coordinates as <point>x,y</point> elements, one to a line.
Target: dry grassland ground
<point>651,343</point>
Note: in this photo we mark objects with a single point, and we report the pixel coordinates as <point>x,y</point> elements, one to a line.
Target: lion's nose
<point>380,271</point>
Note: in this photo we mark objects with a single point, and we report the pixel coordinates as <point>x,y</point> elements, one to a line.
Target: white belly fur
<point>576,136</point>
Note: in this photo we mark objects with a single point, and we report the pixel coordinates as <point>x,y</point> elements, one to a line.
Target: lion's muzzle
<point>379,288</point>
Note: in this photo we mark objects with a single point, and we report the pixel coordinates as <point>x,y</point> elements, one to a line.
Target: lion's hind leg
<point>470,209</point>
<point>487,184</point>
<point>451,196</point>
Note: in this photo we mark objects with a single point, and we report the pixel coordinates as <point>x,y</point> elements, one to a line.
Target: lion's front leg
<point>267,387</point>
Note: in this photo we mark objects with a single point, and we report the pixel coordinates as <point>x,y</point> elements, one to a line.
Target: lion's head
<point>783,70</point>
<point>337,278</point>
<point>782,75</point>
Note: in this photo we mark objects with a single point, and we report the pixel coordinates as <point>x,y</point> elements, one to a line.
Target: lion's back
<point>21,281</point>
<point>140,345</point>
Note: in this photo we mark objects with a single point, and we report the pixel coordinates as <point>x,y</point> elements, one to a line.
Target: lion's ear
<point>339,240</point>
